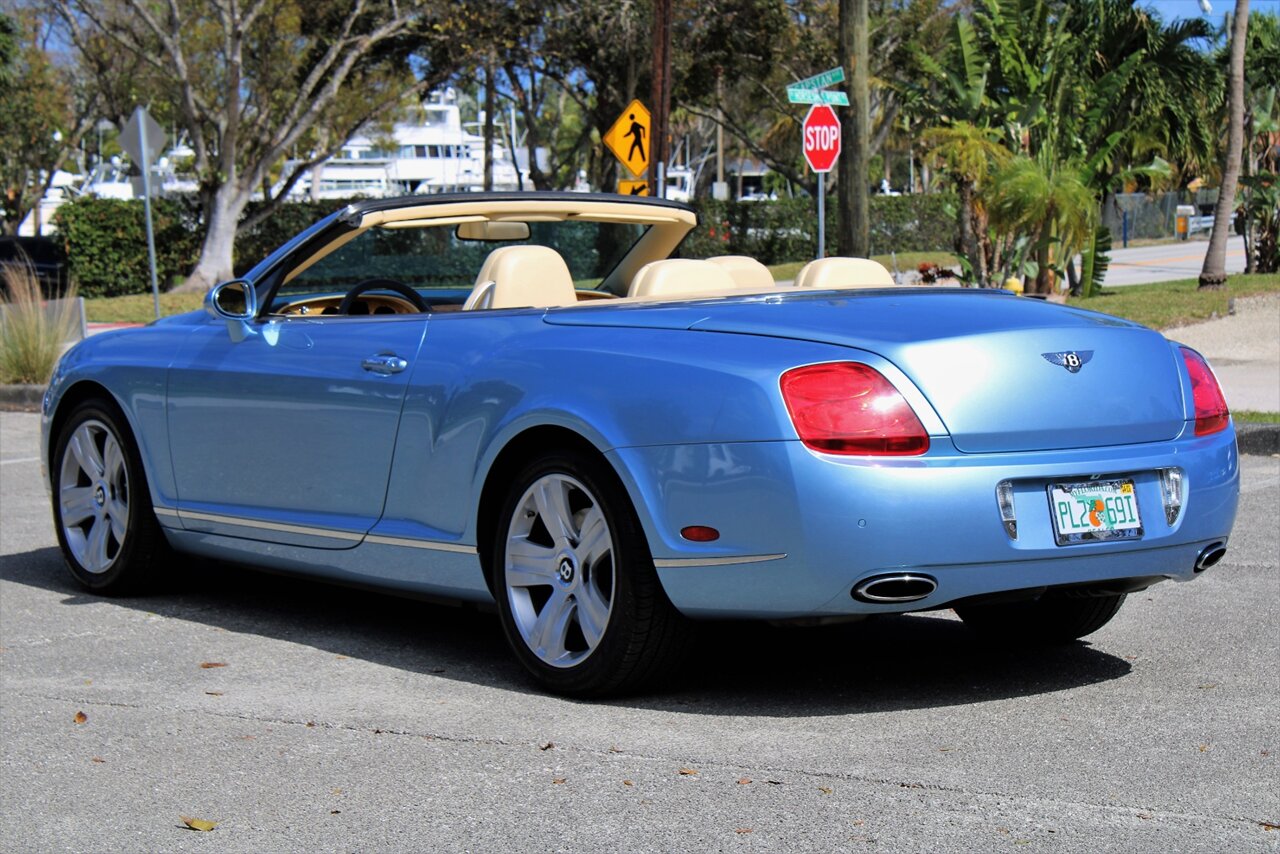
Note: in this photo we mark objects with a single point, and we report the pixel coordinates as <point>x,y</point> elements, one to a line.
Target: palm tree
<point>1050,202</point>
<point>969,154</point>
<point>1214,273</point>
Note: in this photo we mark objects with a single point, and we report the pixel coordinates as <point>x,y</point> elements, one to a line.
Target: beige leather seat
<point>680,277</point>
<point>522,276</point>
<point>844,274</point>
<point>745,271</point>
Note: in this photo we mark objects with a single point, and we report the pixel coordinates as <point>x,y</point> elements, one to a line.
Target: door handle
<point>384,364</point>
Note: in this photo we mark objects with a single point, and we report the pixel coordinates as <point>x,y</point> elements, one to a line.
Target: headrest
<point>844,273</point>
<point>680,277</point>
<point>519,276</point>
<point>745,271</point>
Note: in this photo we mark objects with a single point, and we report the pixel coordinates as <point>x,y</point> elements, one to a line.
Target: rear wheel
<point>579,599</point>
<point>1053,618</point>
<point>101,507</point>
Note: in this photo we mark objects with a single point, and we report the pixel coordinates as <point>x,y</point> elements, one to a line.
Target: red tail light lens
<point>1212,414</point>
<point>850,408</point>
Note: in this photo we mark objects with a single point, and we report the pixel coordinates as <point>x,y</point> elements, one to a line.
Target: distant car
<point>525,399</point>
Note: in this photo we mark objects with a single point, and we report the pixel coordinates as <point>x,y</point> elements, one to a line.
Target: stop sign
<point>821,138</point>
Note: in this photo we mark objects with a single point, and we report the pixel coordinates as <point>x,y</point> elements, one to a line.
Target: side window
<point>418,257</point>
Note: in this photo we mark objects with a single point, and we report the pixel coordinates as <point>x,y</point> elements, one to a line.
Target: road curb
<point>1261,439</point>
<point>21,398</point>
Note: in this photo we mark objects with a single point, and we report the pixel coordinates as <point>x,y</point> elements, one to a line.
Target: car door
<point>290,440</point>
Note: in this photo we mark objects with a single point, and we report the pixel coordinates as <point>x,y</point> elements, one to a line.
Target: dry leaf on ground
<point>743,830</point>
<point>688,772</point>
<point>627,783</point>
<point>745,781</point>
<point>198,823</point>
<point>98,759</point>
<point>547,746</point>
<point>559,780</point>
<point>208,665</point>
<point>81,717</point>
<point>826,790</point>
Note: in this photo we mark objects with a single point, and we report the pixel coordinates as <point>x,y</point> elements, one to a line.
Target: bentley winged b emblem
<point>1072,360</point>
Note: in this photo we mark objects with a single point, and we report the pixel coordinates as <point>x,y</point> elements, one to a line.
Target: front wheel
<point>101,508</point>
<point>579,599</point>
<point>1053,618</point>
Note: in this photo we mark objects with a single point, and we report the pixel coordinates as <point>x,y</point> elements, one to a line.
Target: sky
<point>1171,9</point>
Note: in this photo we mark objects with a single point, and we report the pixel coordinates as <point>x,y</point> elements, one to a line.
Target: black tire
<point>130,555</point>
<point>641,634</point>
<point>1053,618</point>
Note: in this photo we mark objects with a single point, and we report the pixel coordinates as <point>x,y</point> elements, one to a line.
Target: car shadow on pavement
<point>883,664</point>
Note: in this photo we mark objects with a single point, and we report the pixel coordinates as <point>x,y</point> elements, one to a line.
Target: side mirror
<point>236,302</point>
<point>233,300</point>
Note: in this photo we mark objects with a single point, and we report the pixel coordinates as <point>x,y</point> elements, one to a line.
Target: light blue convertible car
<point>526,399</point>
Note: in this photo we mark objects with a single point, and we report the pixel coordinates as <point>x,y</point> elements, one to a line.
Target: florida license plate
<point>1094,510</point>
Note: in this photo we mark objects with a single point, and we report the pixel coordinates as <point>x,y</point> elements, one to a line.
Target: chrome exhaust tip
<point>894,589</point>
<point>1210,556</point>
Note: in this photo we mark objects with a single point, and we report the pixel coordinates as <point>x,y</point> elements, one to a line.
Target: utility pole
<point>661,97</point>
<point>854,236</point>
<point>489,104</point>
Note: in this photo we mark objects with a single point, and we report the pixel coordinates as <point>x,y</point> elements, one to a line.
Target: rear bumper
<point>799,530</point>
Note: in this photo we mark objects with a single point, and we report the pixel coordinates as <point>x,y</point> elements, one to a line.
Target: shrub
<point>106,243</point>
<point>32,334</point>
<point>775,232</point>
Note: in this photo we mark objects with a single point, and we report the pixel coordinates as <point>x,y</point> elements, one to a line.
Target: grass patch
<point>32,333</point>
<point>1168,304</point>
<point>907,261</point>
<point>139,308</point>
<point>1253,416</point>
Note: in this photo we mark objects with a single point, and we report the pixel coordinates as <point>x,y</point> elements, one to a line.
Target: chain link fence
<point>1152,216</point>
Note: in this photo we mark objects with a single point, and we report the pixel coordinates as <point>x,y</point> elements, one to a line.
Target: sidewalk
<point>1244,350</point>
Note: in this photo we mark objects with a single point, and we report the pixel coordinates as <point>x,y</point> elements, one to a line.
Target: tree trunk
<point>854,235</point>
<point>216,255</point>
<point>1214,273</point>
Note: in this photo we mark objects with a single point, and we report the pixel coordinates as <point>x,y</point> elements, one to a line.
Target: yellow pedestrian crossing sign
<point>634,188</point>
<point>628,139</point>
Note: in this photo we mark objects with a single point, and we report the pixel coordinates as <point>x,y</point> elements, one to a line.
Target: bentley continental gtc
<point>531,400</point>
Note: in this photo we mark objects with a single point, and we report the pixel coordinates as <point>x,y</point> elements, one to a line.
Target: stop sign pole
<point>821,148</point>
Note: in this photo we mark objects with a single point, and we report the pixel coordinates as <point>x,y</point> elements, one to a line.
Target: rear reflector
<point>1211,407</point>
<point>850,408</point>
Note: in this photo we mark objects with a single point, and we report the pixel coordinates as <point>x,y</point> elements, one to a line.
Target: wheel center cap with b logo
<point>566,571</point>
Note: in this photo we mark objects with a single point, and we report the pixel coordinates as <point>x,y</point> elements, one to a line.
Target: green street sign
<point>816,96</point>
<point>827,78</point>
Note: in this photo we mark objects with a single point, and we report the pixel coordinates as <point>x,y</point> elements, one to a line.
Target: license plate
<point>1094,510</point>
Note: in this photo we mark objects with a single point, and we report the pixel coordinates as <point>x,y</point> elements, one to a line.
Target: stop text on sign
<point>822,137</point>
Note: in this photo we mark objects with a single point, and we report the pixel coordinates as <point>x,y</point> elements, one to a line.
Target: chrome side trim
<point>165,512</point>
<point>429,545</point>
<point>673,563</point>
<point>269,526</point>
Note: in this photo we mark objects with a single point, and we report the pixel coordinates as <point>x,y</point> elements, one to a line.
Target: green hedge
<point>105,241</point>
<point>106,249</point>
<point>775,232</point>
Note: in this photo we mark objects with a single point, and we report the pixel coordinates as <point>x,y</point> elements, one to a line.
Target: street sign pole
<point>142,138</point>
<point>146,207</point>
<point>822,216</point>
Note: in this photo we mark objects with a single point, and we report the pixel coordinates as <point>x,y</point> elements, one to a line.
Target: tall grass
<point>32,335</point>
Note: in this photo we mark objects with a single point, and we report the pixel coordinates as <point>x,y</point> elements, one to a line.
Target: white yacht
<point>435,155</point>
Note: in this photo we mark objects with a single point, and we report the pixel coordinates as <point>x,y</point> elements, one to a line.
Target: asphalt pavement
<point>302,717</point>
<point>1164,262</point>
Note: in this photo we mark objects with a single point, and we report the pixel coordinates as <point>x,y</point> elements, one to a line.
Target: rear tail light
<point>850,408</point>
<point>1211,407</point>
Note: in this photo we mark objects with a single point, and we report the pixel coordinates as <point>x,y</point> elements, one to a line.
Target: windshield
<point>436,257</point>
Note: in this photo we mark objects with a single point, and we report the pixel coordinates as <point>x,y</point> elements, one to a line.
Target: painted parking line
<point>22,460</point>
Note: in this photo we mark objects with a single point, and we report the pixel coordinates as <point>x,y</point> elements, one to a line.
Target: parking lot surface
<point>344,720</point>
